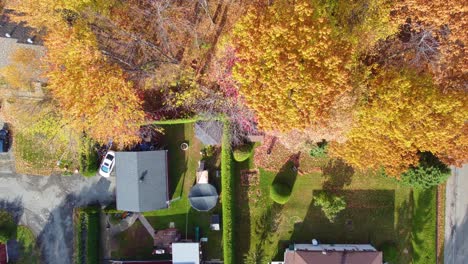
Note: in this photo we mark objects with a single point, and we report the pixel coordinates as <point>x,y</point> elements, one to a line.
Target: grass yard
<point>182,168</point>
<point>379,211</point>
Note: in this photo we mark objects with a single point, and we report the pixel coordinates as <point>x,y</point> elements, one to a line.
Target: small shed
<point>209,132</point>
<point>142,180</point>
<point>185,253</point>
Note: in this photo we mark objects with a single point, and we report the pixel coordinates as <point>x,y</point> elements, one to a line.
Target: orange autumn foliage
<point>405,115</point>
<point>292,67</point>
<point>93,94</point>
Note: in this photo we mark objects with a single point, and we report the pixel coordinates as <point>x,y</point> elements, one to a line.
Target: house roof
<point>333,257</point>
<point>186,253</point>
<point>142,183</point>
<point>209,132</point>
<point>3,254</point>
<point>18,30</point>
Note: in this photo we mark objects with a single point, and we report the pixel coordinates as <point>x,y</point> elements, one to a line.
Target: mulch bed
<point>272,156</point>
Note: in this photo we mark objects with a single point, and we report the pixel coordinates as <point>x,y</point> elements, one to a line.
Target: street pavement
<point>456,217</point>
<point>45,204</point>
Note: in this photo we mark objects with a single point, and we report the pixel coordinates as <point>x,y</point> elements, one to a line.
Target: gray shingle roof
<point>141,180</point>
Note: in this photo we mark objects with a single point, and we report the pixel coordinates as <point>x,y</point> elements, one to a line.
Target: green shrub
<point>227,198</point>
<point>7,226</point>
<point>320,150</point>
<point>331,205</point>
<point>280,192</point>
<point>424,178</point>
<point>87,228</point>
<point>89,164</point>
<point>243,152</point>
<point>390,252</point>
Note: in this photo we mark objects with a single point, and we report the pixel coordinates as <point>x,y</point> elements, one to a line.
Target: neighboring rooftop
<point>3,254</point>
<point>142,183</point>
<point>18,31</point>
<point>333,257</point>
<point>209,132</point>
<point>185,253</point>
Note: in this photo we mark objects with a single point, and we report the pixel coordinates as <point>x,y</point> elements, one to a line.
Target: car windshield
<point>110,157</point>
<point>104,168</point>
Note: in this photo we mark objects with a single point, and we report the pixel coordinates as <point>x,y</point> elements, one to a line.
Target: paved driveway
<point>45,204</point>
<point>456,218</point>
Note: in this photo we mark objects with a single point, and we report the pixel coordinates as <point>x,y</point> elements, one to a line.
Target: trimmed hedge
<point>243,152</point>
<point>227,198</point>
<point>7,226</point>
<point>390,252</point>
<point>87,229</point>
<point>280,192</point>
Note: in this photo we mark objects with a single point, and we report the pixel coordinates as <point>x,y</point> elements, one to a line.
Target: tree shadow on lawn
<point>403,228</point>
<point>242,221</point>
<point>288,173</point>
<point>368,218</point>
<point>423,235</point>
<point>338,174</point>
<point>174,136</point>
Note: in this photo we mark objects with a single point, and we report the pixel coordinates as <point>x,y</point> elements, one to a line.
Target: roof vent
<point>143,174</point>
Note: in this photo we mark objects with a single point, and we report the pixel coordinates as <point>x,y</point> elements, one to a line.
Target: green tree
<point>430,172</point>
<point>7,226</point>
<point>331,204</point>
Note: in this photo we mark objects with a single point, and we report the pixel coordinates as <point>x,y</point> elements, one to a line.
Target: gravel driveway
<point>45,204</point>
<point>456,217</point>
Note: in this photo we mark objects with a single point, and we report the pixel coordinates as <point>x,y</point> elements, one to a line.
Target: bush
<point>7,226</point>
<point>243,152</point>
<point>89,160</point>
<point>331,205</point>
<point>280,192</point>
<point>390,252</point>
<point>87,228</point>
<point>430,172</point>
<point>320,150</point>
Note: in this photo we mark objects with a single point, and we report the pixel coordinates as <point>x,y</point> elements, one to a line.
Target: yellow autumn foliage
<point>406,114</point>
<point>292,66</point>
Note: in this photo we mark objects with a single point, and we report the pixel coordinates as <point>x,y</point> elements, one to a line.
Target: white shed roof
<point>185,253</point>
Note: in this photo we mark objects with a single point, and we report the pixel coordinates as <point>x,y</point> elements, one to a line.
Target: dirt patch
<point>250,177</point>
<point>272,155</point>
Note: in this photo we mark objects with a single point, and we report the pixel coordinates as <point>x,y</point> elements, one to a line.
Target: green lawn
<point>182,168</point>
<point>378,211</point>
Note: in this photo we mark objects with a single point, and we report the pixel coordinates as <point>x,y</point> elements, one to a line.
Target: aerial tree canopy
<point>298,60</point>
<point>291,65</point>
<point>93,94</point>
<point>406,114</point>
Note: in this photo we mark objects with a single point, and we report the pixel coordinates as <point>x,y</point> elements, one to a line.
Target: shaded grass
<point>424,226</point>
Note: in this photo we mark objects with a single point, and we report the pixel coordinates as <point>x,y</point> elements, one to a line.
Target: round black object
<point>203,197</point>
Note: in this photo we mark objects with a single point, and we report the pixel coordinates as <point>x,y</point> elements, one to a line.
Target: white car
<point>107,164</point>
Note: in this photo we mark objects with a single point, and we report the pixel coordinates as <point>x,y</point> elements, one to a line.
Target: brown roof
<point>333,257</point>
<point>3,254</point>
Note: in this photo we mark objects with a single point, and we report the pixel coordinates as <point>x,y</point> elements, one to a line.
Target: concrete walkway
<point>147,225</point>
<point>456,217</point>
